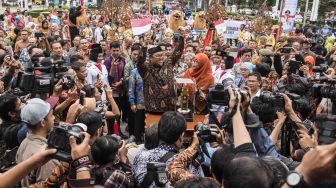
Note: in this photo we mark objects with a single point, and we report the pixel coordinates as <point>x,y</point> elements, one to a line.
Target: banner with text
<point>230,28</point>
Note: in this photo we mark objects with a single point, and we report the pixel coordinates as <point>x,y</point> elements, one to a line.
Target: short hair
<point>104,145</point>
<point>93,121</point>
<point>199,182</point>
<point>115,44</point>
<point>265,111</point>
<point>219,160</point>
<point>30,49</point>
<point>151,137</point>
<point>247,172</point>
<point>189,39</point>
<point>171,126</point>
<point>77,65</point>
<point>52,44</point>
<point>75,58</point>
<point>136,46</point>
<point>252,40</point>
<point>256,74</point>
<point>246,50</point>
<point>7,104</point>
<point>263,68</point>
<point>89,90</point>
<point>191,46</point>
<point>279,169</point>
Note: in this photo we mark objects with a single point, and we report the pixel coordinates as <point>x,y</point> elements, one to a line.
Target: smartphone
<point>294,66</point>
<point>286,50</point>
<point>38,35</point>
<point>98,76</point>
<point>81,97</point>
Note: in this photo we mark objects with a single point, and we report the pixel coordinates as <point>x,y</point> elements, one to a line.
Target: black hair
<point>229,62</point>
<point>279,170</point>
<point>77,65</point>
<point>246,50</point>
<point>63,42</point>
<point>90,90</point>
<point>303,107</point>
<point>75,58</point>
<point>136,46</point>
<point>171,126</point>
<point>151,137</point>
<point>95,53</point>
<point>189,39</point>
<point>7,104</point>
<point>30,49</point>
<point>265,111</point>
<point>115,44</point>
<point>52,44</point>
<point>256,74</point>
<point>93,121</point>
<point>267,60</point>
<point>191,46</point>
<point>219,160</point>
<point>101,147</point>
<point>263,69</point>
<point>197,182</point>
<point>247,172</point>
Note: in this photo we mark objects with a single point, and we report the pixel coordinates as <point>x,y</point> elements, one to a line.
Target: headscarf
<point>203,77</point>
<point>311,61</point>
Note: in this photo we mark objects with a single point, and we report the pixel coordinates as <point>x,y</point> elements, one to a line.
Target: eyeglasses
<point>252,81</point>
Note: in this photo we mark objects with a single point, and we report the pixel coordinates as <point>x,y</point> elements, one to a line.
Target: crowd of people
<point>70,84</point>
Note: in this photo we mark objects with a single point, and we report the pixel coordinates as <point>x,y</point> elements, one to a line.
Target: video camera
<point>321,90</point>
<point>326,128</point>
<point>219,94</point>
<point>277,100</point>
<point>59,139</point>
<point>30,82</point>
<point>319,70</point>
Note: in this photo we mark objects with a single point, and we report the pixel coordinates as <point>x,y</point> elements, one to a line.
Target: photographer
<point>39,118</point>
<point>112,170</point>
<point>10,109</point>
<point>242,143</point>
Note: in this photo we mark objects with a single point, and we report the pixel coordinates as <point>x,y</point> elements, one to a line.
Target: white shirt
<point>215,68</point>
<point>98,34</point>
<point>221,75</point>
<point>93,72</point>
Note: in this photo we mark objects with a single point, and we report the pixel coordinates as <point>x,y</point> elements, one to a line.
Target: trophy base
<point>187,114</point>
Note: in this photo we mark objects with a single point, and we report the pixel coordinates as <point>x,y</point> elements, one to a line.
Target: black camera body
<point>29,82</point>
<point>326,128</point>
<point>277,100</point>
<point>319,70</point>
<point>204,132</point>
<point>321,90</point>
<point>59,139</point>
<point>160,169</point>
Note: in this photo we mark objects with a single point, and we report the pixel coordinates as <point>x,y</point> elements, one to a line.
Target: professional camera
<point>204,132</point>
<point>160,169</point>
<point>319,70</point>
<point>277,99</point>
<point>219,94</point>
<point>321,90</point>
<point>59,139</point>
<point>68,82</point>
<point>30,82</point>
<point>326,128</point>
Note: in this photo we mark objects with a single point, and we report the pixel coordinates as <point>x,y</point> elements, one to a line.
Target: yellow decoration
<point>176,20</point>
<point>200,22</point>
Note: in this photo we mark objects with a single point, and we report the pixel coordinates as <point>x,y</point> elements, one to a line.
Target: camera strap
<point>152,176</point>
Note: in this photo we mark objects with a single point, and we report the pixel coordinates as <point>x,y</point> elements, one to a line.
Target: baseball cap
<point>34,111</point>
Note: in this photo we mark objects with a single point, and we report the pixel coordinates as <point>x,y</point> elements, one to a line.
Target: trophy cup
<point>185,104</point>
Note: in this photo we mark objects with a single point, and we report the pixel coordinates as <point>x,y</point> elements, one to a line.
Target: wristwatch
<point>294,179</point>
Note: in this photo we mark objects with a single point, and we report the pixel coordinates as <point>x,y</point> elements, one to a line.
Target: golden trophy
<point>186,103</point>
